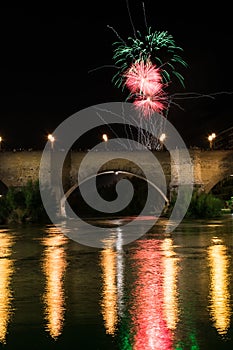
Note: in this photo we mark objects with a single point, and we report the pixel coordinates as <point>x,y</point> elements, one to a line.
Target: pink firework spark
<point>143,78</point>
<point>148,105</point>
<point>144,81</point>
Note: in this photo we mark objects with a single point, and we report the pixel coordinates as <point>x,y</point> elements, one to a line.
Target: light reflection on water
<point>112,264</point>
<point>153,307</point>
<point>109,302</point>
<point>54,266</point>
<point>219,296</point>
<point>170,290</point>
<point>6,272</point>
<point>157,314</point>
<point>158,293</point>
<point>150,328</point>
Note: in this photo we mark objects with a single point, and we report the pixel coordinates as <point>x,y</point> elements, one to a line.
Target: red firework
<point>144,78</point>
<point>145,84</point>
<point>148,105</point>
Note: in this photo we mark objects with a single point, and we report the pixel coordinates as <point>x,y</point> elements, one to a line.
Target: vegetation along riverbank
<point>24,205</point>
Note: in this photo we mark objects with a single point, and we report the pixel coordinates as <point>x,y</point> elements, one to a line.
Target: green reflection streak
<point>124,334</point>
<point>192,343</point>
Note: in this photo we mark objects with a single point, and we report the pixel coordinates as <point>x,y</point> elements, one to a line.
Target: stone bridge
<point>209,167</point>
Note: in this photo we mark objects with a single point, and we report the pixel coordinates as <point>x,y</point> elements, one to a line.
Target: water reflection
<point>150,320</point>
<point>220,308</point>
<point>54,266</point>
<point>112,264</point>
<point>6,271</point>
<point>152,315</point>
<point>170,263</point>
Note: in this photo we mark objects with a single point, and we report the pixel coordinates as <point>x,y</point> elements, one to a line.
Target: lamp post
<point>162,139</point>
<point>211,139</point>
<point>51,138</point>
<point>105,137</point>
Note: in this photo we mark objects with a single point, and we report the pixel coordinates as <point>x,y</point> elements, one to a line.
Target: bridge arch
<point>216,180</point>
<point>3,188</point>
<point>216,165</point>
<point>224,188</point>
<point>110,172</point>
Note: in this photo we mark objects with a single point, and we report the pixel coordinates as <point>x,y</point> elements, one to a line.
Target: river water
<point>158,292</point>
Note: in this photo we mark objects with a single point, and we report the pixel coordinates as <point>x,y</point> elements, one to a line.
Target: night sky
<point>46,56</point>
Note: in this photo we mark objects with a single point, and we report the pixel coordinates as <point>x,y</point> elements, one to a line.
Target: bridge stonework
<point>214,166</point>
<point>17,168</point>
<point>209,167</point>
<point>120,161</point>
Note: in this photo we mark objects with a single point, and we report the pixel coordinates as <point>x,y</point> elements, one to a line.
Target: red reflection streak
<point>150,330</point>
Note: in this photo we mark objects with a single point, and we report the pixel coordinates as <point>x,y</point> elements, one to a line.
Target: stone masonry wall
<point>209,167</point>
<point>17,168</point>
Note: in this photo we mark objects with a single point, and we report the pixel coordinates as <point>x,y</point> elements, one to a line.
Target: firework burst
<point>143,77</point>
<point>146,64</point>
<point>149,105</point>
<point>144,81</point>
<point>158,46</point>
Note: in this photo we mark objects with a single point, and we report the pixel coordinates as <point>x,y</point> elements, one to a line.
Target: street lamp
<point>0,143</point>
<point>105,137</point>
<point>51,138</point>
<point>162,139</point>
<point>211,139</point>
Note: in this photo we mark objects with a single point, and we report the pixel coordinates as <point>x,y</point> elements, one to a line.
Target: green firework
<point>158,46</point>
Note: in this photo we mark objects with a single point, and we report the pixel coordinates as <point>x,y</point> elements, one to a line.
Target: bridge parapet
<point>120,161</point>
<point>209,167</point>
<point>17,168</point>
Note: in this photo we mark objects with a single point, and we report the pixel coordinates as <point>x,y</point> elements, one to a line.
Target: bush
<point>23,205</point>
<point>202,206</point>
<point>4,212</point>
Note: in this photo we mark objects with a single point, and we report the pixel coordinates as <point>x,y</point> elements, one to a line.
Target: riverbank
<point>25,206</point>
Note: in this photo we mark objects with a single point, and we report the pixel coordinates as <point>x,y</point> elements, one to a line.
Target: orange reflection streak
<point>220,309</point>
<point>149,328</point>
<point>54,266</point>
<point>109,300</point>
<point>169,284</point>
<point>6,271</point>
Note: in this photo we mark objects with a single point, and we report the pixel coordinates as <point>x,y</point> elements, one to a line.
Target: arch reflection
<point>219,296</point>
<point>6,271</point>
<point>54,267</point>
